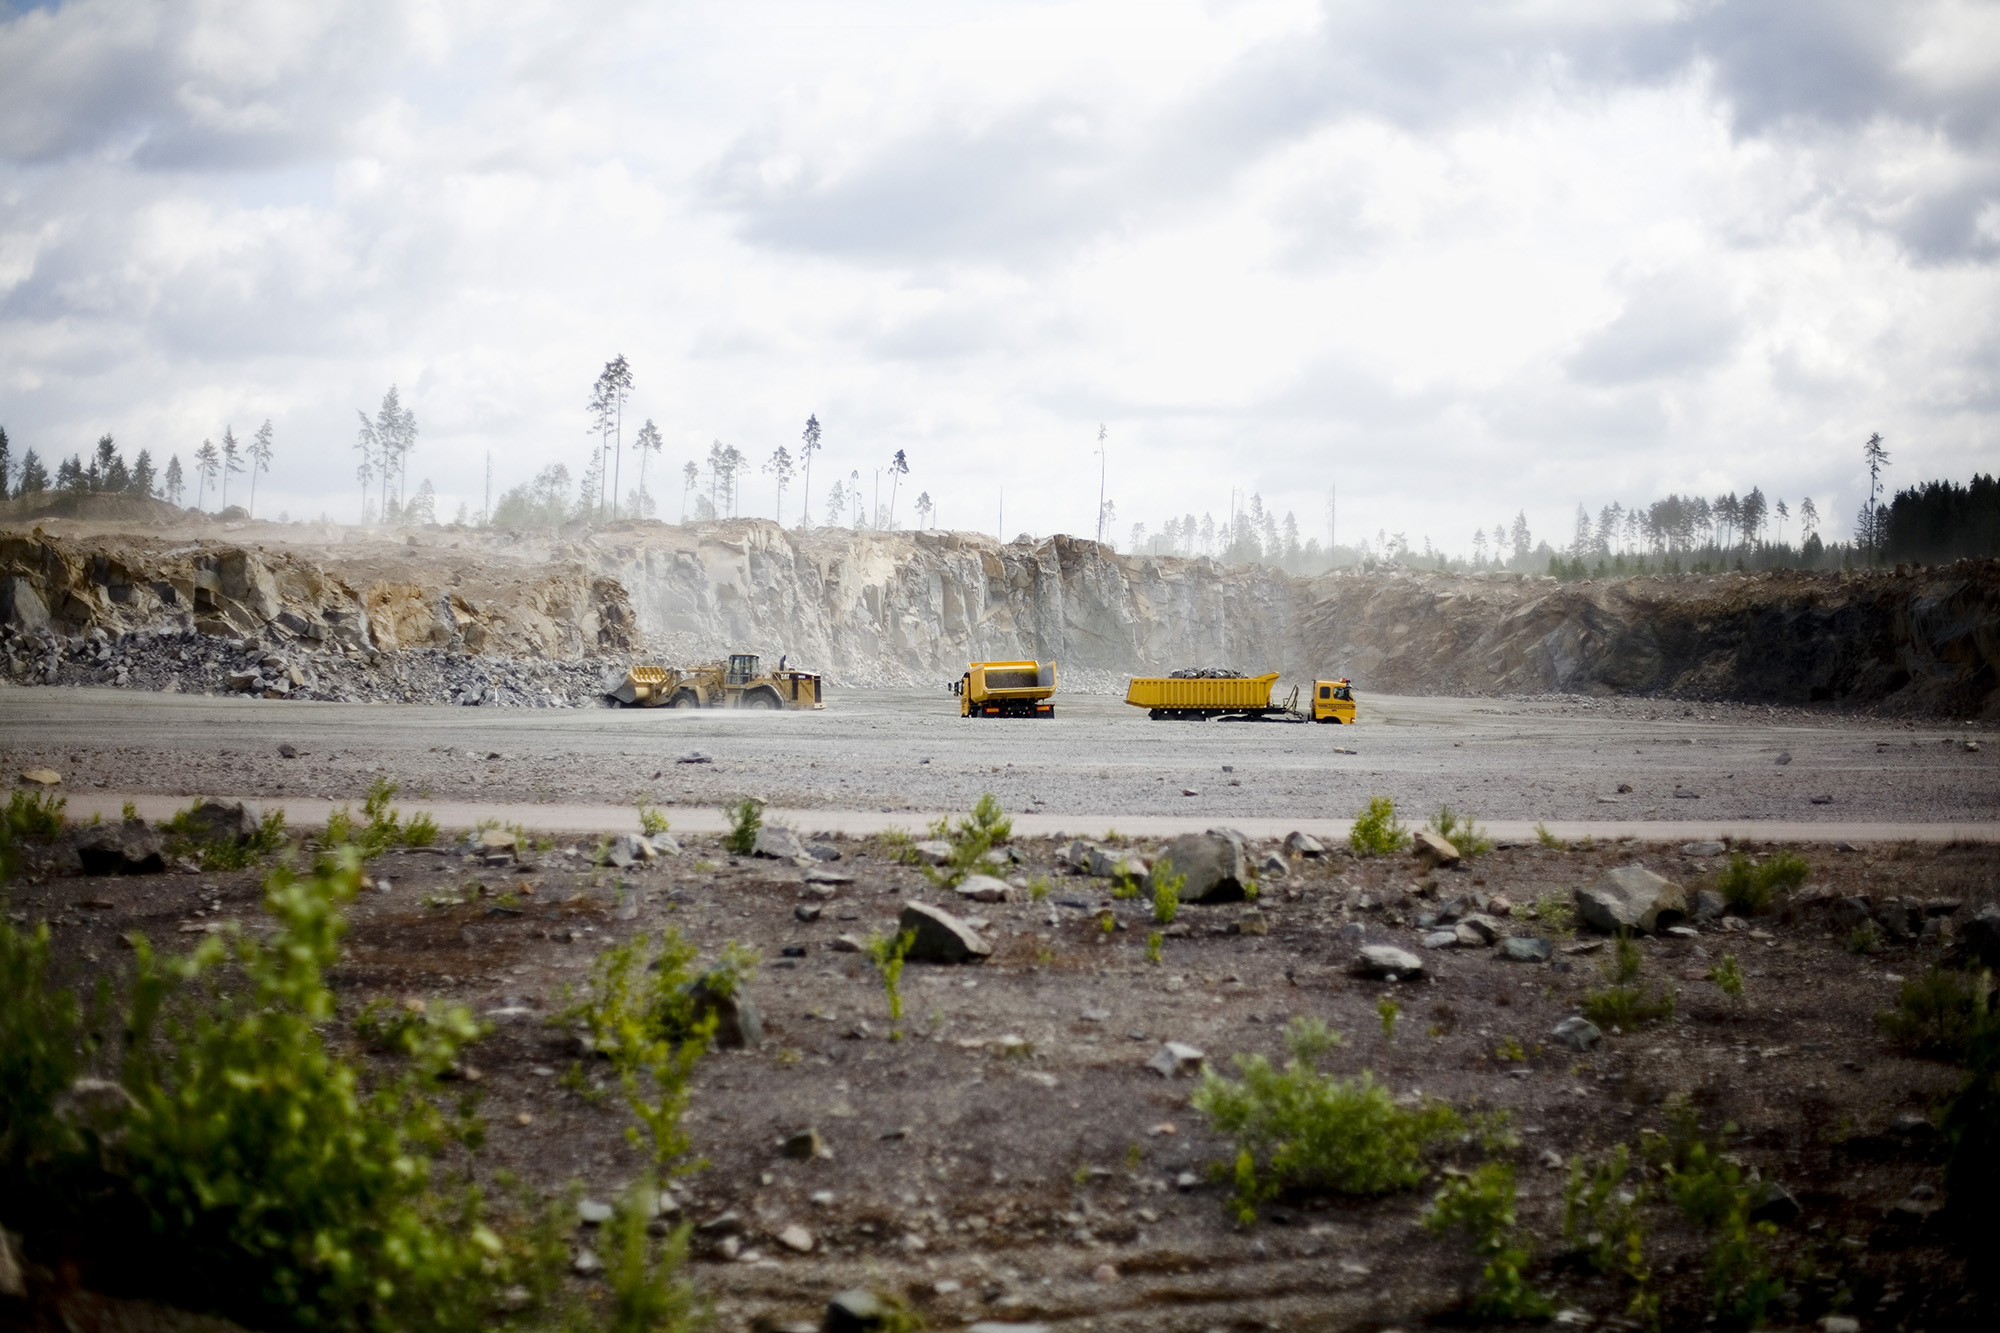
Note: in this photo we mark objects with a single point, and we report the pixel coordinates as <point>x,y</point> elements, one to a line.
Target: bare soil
<point>998,1187</point>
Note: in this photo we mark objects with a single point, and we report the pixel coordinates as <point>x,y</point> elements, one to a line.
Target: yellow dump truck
<point>739,682</point>
<point>1216,694</point>
<point>1006,689</point>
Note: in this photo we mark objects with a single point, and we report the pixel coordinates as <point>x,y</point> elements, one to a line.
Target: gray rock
<point>1772,1202</point>
<point>1387,962</point>
<point>592,1212</point>
<point>933,851</point>
<point>1304,844</point>
<point>941,937</point>
<point>1447,938</point>
<point>21,606</point>
<point>1708,905</point>
<point>586,1263</point>
<point>1981,935</point>
<point>797,1239</point>
<point>738,1025</point>
<point>804,1145</point>
<point>1352,933</point>
<point>819,874</point>
<point>1702,849</point>
<point>778,843</point>
<point>989,1326</point>
<point>807,912</point>
<point>13,1285</point>
<point>127,848</point>
<point>984,889</point>
<point>1525,949</point>
<point>693,757</point>
<point>665,844</point>
<point>1176,1060</point>
<point>1850,912</point>
<point>1272,867</point>
<point>855,1311</point>
<point>1216,864</point>
<point>220,821</point>
<point>822,851</point>
<point>1579,1034</point>
<point>1478,930</point>
<point>1631,898</point>
<point>1427,845</point>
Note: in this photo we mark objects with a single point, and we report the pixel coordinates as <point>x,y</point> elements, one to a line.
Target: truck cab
<point>1333,701</point>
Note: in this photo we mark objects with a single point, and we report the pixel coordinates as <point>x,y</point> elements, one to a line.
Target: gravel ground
<point>889,751</point>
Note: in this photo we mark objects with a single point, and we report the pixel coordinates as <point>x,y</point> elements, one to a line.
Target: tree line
<point>104,470</point>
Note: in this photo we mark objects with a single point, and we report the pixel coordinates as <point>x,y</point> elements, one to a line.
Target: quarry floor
<point>876,758</point>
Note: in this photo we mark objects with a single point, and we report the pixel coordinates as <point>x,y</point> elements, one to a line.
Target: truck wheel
<point>762,699</point>
<point>686,699</point>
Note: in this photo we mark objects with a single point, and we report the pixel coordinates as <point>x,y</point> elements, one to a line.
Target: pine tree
<point>232,460</point>
<point>176,483</point>
<point>779,466</point>
<point>260,460</point>
<point>899,467</point>
<point>34,477</point>
<point>141,483</point>
<point>6,464</point>
<point>808,446</point>
<point>690,478</point>
<point>206,461</point>
<point>647,441</point>
<point>70,475</point>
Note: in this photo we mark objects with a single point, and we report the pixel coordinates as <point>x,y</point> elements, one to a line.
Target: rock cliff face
<point>913,608</point>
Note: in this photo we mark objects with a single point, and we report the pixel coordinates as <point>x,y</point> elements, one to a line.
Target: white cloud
<point>1458,260</point>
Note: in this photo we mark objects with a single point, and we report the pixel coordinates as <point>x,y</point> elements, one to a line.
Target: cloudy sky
<point>1458,260</point>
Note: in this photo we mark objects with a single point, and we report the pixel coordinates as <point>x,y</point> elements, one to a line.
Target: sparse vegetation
<point>746,821</point>
<point>189,837</point>
<point>1557,913</point>
<point>1940,1012</point>
<point>1865,938</point>
<point>652,822</point>
<point>1388,1009</point>
<point>1749,887</point>
<point>1548,839</point>
<point>887,951</point>
<point>1623,1002</point>
<point>1153,942</point>
<point>650,1290</point>
<point>1377,831</point>
<point>1167,888</point>
<point>1461,832</point>
<point>1709,1188</point>
<point>382,826</point>
<point>971,839</point>
<point>1481,1205</point>
<point>1298,1129</point>
<point>1038,888</point>
<point>36,816</point>
<point>1727,974</point>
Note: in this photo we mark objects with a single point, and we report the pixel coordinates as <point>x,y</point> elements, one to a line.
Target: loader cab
<point>1333,701</point>
<point>742,669</point>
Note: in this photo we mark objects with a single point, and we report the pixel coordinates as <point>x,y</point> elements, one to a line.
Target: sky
<point>1450,260</point>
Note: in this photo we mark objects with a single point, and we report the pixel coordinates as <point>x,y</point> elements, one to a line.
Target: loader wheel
<point>762,699</point>
<point>686,699</point>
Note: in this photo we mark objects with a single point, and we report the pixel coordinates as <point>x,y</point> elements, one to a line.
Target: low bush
<point>971,838</point>
<point>1710,1190</point>
<point>1748,887</point>
<point>1461,832</point>
<point>887,952</point>
<point>1377,831</point>
<point>1295,1128</point>
<point>746,821</point>
<point>381,826</point>
<point>1549,840</point>
<point>1624,1003</point>
<point>1167,888</point>
<point>1940,1012</point>
<point>1481,1205</point>
<point>652,823</point>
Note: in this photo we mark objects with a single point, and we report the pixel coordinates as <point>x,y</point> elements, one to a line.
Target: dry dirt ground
<point>1561,759</point>
<point>997,1186</point>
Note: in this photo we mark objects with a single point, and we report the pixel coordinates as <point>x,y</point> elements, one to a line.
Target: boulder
<point>1304,844</point>
<point>128,848</point>
<point>1702,849</point>
<point>665,844</point>
<point>1524,949</point>
<point>1477,930</point>
<point>220,821</point>
<point>1432,847</point>
<point>1387,962</point>
<point>822,851</point>
<point>1445,938</point>
<point>1708,905</point>
<point>804,1145</point>
<point>21,606</point>
<point>41,777</point>
<point>1773,1203</point>
<point>737,1022</point>
<point>1176,1059</point>
<point>1579,1034</point>
<point>984,889</point>
<point>856,1311</point>
<point>1981,935</point>
<point>1216,864</point>
<point>932,851</point>
<point>1631,898</point>
<point>941,937</point>
<point>778,843</point>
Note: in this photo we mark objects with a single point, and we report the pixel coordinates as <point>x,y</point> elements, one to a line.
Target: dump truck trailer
<point>1237,698</point>
<point>738,682</point>
<point>1006,689</point>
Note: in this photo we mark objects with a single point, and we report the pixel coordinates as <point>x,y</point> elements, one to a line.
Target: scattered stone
<point>1433,848</point>
<point>1839,1323</point>
<point>127,848</point>
<point>497,840</point>
<point>941,937</point>
<point>856,1311</point>
<point>989,1326</point>
<point>1912,1126</point>
<point>1176,1060</point>
<point>933,851</point>
<point>1252,922</point>
<point>1272,866</point>
<point>1525,949</point>
<point>1216,864</point>
<point>1579,1034</point>
<point>1702,849</point>
<point>1477,930</point>
<point>1500,905</point>
<point>845,944</point>
<point>796,1238</point>
<point>288,751</point>
<point>1683,932</point>
<point>1772,1202</point>
<point>984,889</point>
<point>693,757</point>
<point>41,777</point>
<point>1822,800</point>
<point>1104,1273</point>
<point>805,1145</point>
<point>822,851</point>
<point>665,844</point>
<point>221,821</point>
<point>1446,938</point>
<point>1304,844</point>
<point>1708,905</point>
<point>738,1025</point>
<point>586,1263</point>
<point>1352,933</point>
<point>1631,898</point>
<point>1387,962</point>
<point>1095,1015</point>
<point>592,1212</point>
<point>777,843</point>
<point>807,912</point>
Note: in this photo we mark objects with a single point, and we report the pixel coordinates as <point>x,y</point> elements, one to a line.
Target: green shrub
<point>643,1012</point>
<point>28,815</point>
<point>887,952</point>
<point>1167,888</point>
<point>188,838</point>
<point>1548,839</point>
<point>971,839</point>
<point>1376,830</point>
<point>1711,1192</point>
<point>1624,1003</point>
<point>1388,1010</point>
<point>1940,1012</point>
<point>746,821</point>
<point>1972,1130</point>
<point>1601,1215</point>
<point>650,1292</point>
<point>382,826</point>
<point>1298,1129</point>
<point>1461,832</point>
<point>1153,941</point>
<point>1482,1206</point>
<point>1727,974</point>
<point>44,1041</point>
<point>1038,888</point>
<point>1748,887</point>
<point>651,822</point>
<point>1557,913</point>
<point>1865,938</point>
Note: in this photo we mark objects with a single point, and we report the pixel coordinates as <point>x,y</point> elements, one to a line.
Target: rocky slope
<point>463,615</point>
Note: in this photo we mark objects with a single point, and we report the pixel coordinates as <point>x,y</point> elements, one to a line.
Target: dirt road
<point>899,753</point>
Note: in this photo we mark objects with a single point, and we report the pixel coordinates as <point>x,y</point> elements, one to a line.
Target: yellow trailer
<point>1006,689</point>
<point>1204,696</point>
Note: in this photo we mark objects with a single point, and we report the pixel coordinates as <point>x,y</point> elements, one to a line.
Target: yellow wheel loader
<point>739,682</point>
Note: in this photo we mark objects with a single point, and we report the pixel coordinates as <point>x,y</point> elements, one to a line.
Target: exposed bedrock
<point>913,608</point>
